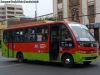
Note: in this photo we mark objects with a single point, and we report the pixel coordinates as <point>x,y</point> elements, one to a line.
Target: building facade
<point>10,11</point>
<point>83,11</point>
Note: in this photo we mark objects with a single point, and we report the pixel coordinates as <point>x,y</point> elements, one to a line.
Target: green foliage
<point>42,19</point>
<point>46,18</point>
<point>55,18</point>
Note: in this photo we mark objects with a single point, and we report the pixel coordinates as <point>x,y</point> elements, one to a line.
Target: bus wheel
<point>68,61</point>
<point>20,58</point>
<point>87,63</point>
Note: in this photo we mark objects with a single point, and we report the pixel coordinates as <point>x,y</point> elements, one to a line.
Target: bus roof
<point>37,23</point>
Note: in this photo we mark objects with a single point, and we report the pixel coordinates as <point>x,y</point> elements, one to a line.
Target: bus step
<point>55,60</point>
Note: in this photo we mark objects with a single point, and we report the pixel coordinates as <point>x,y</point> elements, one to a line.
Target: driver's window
<point>65,34</point>
<point>66,38</point>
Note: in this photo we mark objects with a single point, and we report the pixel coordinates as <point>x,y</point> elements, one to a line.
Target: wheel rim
<point>67,61</point>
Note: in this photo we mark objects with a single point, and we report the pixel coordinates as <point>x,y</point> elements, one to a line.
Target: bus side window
<point>65,34</point>
<point>26,35</point>
<point>21,37</point>
<point>32,34</point>
<point>45,33</point>
<point>42,33</point>
<point>5,36</point>
<point>16,35</point>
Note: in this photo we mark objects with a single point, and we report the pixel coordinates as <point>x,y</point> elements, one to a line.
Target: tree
<point>46,18</point>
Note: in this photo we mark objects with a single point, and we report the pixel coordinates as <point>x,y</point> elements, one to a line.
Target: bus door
<point>10,43</point>
<point>5,50</point>
<point>54,42</point>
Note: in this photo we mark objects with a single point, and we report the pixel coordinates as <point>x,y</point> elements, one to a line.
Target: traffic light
<point>74,11</point>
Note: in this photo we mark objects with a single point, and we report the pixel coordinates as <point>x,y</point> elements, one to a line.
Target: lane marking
<point>10,65</point>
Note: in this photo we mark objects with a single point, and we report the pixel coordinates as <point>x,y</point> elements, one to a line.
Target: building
<point>10,11</point>
<point>83,11</point>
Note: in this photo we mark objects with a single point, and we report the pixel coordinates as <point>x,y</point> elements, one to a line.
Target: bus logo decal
<point>36,45</point>
<point>42,45</point>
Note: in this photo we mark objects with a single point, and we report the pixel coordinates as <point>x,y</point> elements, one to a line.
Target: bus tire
<point>20,58</point>
<point>68,61</point>
<point>87,62</point>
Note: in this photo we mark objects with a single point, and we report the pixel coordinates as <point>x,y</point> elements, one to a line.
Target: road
<point>10,66</point>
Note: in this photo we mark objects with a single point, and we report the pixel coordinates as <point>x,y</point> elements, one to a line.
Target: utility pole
<point>36,11</point>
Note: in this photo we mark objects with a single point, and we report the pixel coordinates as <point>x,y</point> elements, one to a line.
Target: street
<point>10,66</point>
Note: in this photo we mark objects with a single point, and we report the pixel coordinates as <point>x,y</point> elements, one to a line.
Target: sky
<point>43,7</point>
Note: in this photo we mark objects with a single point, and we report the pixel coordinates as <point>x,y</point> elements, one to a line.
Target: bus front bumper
<point>78,57</point>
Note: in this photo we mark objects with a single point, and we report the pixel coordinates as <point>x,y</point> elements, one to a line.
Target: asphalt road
<point>12,67</point>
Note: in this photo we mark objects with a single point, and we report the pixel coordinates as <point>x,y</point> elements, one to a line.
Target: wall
<point>65,9</point>
<point>97,11</point>
<point>84,10</point>
<point>55,7</point>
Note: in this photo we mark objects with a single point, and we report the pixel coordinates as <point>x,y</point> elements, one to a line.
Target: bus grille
<point>90,58</point>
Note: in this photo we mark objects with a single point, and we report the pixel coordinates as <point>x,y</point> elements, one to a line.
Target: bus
<point>50,41</point>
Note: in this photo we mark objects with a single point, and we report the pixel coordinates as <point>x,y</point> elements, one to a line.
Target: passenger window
<point>42,33</point>
<point>30,34</point>
<point>16,35</point>
<point>19,35</point>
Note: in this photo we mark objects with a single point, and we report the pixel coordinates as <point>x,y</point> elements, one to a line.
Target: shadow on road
<point>57,64</point>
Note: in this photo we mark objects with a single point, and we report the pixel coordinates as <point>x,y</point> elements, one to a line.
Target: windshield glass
<point>81,32</point>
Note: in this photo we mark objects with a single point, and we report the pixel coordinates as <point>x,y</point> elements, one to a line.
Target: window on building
<point>10,8</point>
<point>77,15</point>
<point>59,1</point>
<point>19,8</point>
<point>91,11</point>
<point>1,8</point>
<point>19,13</point>
<point>10,16</point>
<point>73,2</point>
<point>60,15</point>
<point>9,12</point>
<point>42,33</point>
<point>70,2</point>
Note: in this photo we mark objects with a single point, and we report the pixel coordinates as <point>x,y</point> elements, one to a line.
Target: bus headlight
<point>82,51</point>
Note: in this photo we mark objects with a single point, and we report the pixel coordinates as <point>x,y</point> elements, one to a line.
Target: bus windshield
<point>81,32</point>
